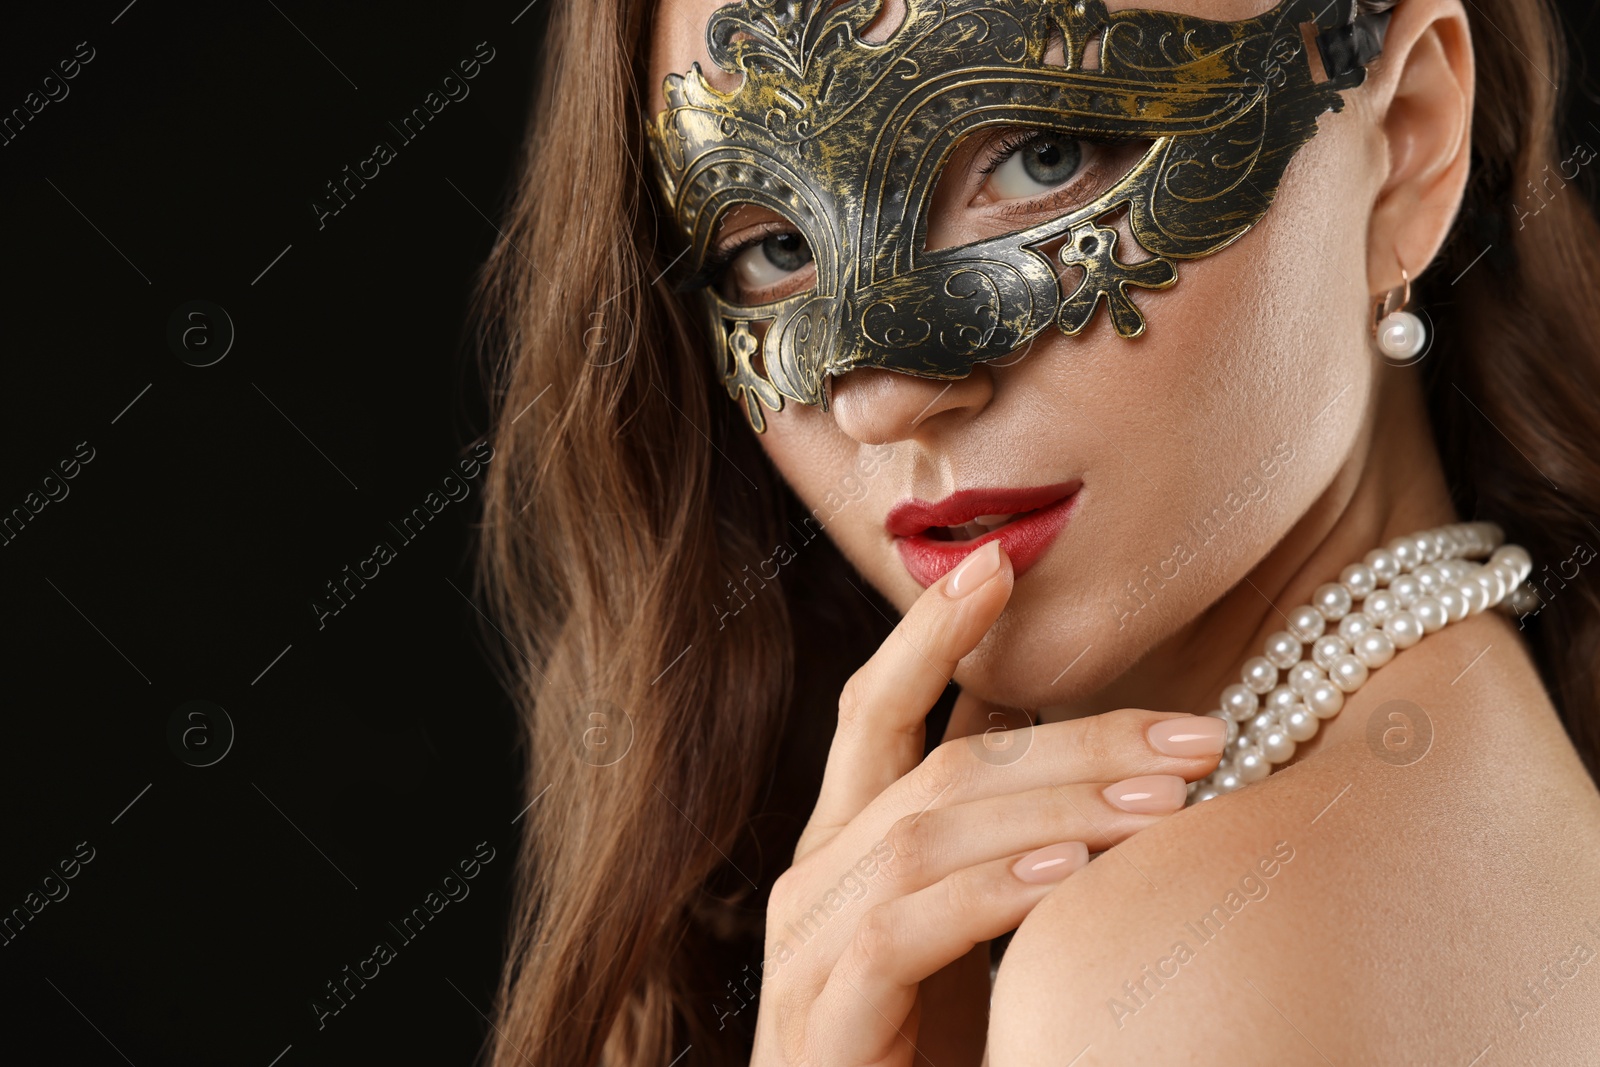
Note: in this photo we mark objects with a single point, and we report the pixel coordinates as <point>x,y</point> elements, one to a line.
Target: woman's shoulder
<point>1426,890</point>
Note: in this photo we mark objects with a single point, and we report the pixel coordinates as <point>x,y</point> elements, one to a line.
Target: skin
<point>1462,874</point>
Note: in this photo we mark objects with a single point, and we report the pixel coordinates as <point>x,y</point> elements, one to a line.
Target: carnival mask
<point>846,138</point>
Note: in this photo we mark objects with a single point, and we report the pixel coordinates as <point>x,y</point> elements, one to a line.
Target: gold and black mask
<point>845,138</point>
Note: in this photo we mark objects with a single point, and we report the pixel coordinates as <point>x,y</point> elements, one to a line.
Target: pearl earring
<point>1400,335</point>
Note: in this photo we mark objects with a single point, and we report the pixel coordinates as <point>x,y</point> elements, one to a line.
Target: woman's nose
<point>877,406</point>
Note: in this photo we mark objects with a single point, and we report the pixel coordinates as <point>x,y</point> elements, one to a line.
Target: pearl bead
<point>1428,579</point>
<point>1332,600</point>
<point>1325,700</point>
<point>1404,550</point>
<point>1454,604</point>
<point>1430,613</point>
<point>1348,673</point>
<point>1518,557</point>
<point>1277,746</point>
<point>1239,701</point>
<point>1303,676</point>
<point>1253,765</point>
<point>1281,699</point>
<point>1359,579</point>
<point>1328,648</point>
<point>1383,564</point>
<point>1260,674</point>
<point>1494,590</point>
<point>1509,574</point>
<point>1374,648</point>
<point>1403,629</point>
<point>1283,649</point>
<point>1381,605</point>
<point>1406,589</point>
<point>1355,624</point>
<point>1307,623</point>
<point>1301,724</point>
<point>1401,337</point>
<point>1412,586</point>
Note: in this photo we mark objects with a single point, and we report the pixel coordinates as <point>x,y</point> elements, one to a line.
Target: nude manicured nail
<point>1192,735</point>
<point>1148,794</point>
<point>980,565</point>
<point>1051,863</point>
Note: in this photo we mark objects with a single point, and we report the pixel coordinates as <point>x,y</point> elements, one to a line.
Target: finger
<point>924,848</point>
<point>1095,748</point>
<point>860,1015</point>
<point>884,704</point>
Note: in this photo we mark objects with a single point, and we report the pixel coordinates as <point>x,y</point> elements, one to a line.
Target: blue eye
<point>1039,163</point>
<point>769,260</point>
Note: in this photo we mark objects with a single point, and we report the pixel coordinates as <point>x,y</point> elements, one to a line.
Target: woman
<point>829,303</point>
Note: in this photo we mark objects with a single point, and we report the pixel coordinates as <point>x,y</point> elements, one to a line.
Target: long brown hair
<point>659,672</point>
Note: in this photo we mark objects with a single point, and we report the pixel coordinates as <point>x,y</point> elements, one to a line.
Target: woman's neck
<point>1391,484</point>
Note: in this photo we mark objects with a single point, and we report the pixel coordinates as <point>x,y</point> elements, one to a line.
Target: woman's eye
<point>769,261</point>
<point>1043,163</point>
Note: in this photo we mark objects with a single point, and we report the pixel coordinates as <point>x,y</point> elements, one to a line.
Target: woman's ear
<point>1424,80</point>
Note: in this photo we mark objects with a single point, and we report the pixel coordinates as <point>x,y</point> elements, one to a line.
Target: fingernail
<point>1148,794</point>
<point>1192,735</point>
<point>1051,863</point>
<point>980,565</point>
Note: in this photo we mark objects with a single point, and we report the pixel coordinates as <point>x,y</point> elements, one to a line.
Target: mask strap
<point>1352,46</point>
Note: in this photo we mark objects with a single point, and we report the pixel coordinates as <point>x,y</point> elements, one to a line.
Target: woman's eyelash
<point>716,262</point>
<point>1007,146</point>
<point>1010,144</point>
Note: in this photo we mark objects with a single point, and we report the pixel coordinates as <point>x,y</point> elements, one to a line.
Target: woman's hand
<point>908,863</point>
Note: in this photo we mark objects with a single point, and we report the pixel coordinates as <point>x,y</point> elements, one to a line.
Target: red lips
<point>1025,538</point>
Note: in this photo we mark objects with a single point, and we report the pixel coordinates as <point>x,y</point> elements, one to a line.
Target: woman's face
<point>1193,448</point>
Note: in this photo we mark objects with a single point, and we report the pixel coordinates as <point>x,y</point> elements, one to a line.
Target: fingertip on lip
<point>980,567</point>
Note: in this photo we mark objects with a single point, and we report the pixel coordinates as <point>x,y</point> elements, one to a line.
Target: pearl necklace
<point>1414,586</point>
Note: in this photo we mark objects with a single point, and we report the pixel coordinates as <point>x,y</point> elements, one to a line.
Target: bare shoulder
<point>1436,901</point>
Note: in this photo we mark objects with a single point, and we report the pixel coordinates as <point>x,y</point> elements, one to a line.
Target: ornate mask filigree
<point>846,139</point>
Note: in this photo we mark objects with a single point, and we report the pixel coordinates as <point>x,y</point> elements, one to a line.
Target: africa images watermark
<point>1154,978</point>
<point>343,988</point>
<point>53,888</point>
<point>834,502</point>
<point>54,90</point>
<point>454,89</point>
<point>1552,980</point>
<point>1581,556</point>
<point>1580,156</point>
<point>851,887</point>
<point>1249,489</point>
<point>55,489</point>
<point>451,489</point>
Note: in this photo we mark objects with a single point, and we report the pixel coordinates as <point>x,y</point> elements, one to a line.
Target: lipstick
<point>933,537</point>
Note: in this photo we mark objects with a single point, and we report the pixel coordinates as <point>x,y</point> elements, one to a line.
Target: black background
<point>372,752</point>
<point>376,752</point>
